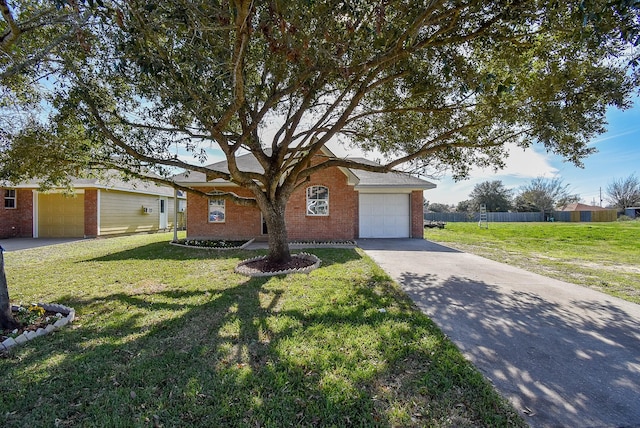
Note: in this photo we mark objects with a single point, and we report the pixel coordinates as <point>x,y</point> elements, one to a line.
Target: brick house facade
<point>95,209</point>
<point>16,221</point>
<point>246,222</point>
<point>346,191</point>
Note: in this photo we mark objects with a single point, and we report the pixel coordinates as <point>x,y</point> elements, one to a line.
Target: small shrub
<point>26,316</point>
<point>211,243</point>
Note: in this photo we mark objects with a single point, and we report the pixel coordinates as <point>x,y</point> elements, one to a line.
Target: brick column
<point>90,213</point>
<point>417,218</point>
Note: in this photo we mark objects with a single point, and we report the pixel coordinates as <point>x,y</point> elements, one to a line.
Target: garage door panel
<point>384,215</point>
<point>60,216</point>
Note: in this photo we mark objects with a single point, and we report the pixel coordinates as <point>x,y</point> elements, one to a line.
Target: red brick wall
<point>91,213</point>
<point>343,207</point>
<point>240,222</point>
<point>417,219</point>
<point>17,222</point>
<point>245,222</point>
<point>341,223</point>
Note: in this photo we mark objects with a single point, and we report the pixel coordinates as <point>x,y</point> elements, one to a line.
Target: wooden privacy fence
<point>564,216</point>
<point>586,216</point>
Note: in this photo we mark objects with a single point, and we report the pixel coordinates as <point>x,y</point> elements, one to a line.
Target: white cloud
<point>521,166</point>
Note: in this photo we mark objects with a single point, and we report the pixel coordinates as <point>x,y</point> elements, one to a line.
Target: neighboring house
<point>583,207</point>
<point>580,212</point>
<point>335,204</point>
<point>97,207</point>
<point>632,212</point>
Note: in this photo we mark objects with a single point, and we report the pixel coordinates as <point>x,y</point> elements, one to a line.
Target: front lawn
<point>603,256</point>
<point>170,336</point>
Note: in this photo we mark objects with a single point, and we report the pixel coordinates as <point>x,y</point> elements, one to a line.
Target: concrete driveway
<point>15,244</point>
<point>564,355</point>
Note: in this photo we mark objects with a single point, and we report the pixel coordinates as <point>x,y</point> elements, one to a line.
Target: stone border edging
<point>30,335</point>
<point>241,247</point>
<point>242,269</point>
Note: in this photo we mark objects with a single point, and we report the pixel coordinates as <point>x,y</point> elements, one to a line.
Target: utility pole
<point>600,196</point>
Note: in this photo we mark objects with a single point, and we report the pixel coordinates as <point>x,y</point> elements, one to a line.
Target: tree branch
<point>14,30</point>
<point>106,131</point>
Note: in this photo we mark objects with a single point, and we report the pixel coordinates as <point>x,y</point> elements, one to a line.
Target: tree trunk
<point>6,318</point>
<point>277,230</point>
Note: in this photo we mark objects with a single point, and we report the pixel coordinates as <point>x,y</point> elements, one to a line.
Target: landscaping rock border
<point>242,269</point>
<point>69,316</point>
<point>322,244</point>
<point>241,247</point>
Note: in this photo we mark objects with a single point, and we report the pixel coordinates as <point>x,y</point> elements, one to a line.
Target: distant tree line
<point>624,193</point>
<point>540,195</point>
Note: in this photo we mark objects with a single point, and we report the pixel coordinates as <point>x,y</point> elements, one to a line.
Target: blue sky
<point>618,156</point>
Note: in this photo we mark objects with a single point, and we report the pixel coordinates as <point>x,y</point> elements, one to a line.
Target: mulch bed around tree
<point>41,322</point>
<point>261,266</point>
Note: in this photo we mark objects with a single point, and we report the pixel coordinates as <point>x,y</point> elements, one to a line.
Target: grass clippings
<point>169,336</point>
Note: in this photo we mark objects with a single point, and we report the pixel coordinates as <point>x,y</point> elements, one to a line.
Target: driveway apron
<point>16,244</point>
<point>564,355</point>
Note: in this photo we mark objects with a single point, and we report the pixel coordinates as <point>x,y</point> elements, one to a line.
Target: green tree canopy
<point>439,208</point>
<point>465,206</point>
<point>430,85</point>
<point>33,33</point>
<point>493,194</point>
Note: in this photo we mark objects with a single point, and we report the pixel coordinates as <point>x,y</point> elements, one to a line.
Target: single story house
<point>578,212</point>
<point>97,207</point>
<point>335,204</point>
<point>576,206</point>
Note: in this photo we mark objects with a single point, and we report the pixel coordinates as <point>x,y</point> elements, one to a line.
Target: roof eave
<point>394,187</point>
<point>207,184</point>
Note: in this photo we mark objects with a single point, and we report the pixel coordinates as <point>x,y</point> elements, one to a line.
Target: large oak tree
<point>428,84</point>
<point>494,195</point>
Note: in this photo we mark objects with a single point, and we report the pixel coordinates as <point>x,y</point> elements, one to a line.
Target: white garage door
<point>384,215</point>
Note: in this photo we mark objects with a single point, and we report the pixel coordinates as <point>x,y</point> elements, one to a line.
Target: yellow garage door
<point>60,216</point>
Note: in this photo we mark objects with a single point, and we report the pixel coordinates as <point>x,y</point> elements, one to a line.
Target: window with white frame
<point>317,201</point>
<point>10,198</point>
<point>216,210</point>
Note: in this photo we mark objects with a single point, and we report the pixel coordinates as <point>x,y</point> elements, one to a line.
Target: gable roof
<point>112,180</point>
<point>394,179</point>
<point>361,179</point>
<point>583,207</point>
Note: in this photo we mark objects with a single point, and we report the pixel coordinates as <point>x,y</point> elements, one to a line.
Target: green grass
<point>603,256</point>
<point>171,336</point>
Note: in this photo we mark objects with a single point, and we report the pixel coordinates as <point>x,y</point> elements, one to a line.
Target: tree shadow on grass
<point>165,251</point>
<point>575,364</point>
<point>238,356</point>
